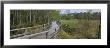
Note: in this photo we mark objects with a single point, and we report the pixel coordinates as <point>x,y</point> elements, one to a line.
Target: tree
<point>55,15</point>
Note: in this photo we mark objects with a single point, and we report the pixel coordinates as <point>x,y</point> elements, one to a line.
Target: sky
<point>64,11</point>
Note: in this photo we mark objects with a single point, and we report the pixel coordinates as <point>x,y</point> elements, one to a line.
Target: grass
<point>80,29</point>
<point>63,35</point>
<point>71,23</point>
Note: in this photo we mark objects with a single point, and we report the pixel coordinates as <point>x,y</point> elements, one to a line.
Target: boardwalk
<point>51,33</point>
<point>54,27</point>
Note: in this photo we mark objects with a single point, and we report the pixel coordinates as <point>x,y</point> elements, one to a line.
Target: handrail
<point>28,36</point>
<point>45,34</point>
<point>28,27</point>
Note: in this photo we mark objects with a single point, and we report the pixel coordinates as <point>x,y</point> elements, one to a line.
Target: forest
<point>83,25</point>
<point>30,18</point>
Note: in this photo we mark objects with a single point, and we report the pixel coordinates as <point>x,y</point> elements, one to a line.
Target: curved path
<point>43,35</point>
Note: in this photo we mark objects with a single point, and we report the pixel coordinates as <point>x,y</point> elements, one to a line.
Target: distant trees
<point>27,18</point>
<point>82,15</point>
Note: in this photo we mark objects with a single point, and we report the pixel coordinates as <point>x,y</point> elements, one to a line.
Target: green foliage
<point>81,29</point>
<point>29,18</point>
<point>64,35</point>
<point>55,15</point>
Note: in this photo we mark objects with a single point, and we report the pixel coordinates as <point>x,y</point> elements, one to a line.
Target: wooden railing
<point>29,30</point>
<point>41,35</point>
<point>46,33</point>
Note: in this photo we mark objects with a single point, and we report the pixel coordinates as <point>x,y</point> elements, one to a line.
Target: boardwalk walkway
<point>51,33</point>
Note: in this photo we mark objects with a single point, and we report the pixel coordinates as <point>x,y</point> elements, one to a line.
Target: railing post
<point>47,35</point>
<point>43,26</point>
